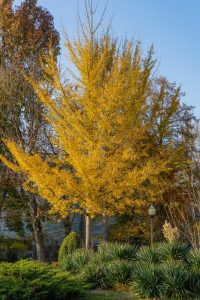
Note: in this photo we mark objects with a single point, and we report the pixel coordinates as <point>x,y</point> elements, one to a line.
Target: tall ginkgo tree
<point>103,166</point>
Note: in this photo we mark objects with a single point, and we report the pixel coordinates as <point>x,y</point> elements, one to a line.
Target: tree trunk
<point>88,232</point>
<point>37,228</point>
<point>105,228</point>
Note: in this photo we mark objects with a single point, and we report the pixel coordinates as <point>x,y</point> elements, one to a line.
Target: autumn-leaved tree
<point>170,125</point>
<point>104,167</point>
<point>26,33</point>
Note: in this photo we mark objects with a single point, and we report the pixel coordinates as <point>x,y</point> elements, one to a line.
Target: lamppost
<point>152,213</point>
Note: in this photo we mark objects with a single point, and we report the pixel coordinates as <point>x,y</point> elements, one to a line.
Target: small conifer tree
<point>70,243</point>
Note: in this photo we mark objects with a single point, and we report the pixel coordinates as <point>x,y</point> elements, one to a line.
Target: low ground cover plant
<point>33,280</point>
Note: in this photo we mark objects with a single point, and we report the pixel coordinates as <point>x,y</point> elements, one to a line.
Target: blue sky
<point>172,26</point>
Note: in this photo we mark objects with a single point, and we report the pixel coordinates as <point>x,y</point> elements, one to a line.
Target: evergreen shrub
<point>32,280</point>
<point>70,243</point>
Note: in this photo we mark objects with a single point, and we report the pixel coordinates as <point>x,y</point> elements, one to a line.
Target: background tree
<point>184,209</point>
<point>171,128</point>
<point>26,33</point>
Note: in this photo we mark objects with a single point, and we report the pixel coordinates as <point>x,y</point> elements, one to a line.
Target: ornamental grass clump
<point>166,271</point>
<point>193,260</point>
<point>108,275</point>
<point>110,265</point>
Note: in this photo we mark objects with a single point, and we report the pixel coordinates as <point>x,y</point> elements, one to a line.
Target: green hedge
<point>32,280</point>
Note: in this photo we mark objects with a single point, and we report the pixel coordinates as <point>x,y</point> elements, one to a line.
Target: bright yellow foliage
<point>103,165</point>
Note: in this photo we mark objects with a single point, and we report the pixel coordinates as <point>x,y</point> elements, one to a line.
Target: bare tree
<point>184,210</point>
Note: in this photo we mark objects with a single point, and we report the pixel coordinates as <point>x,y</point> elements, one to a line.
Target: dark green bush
<point>110,265</point>
<point>69,245</point>
<point>26,280</point>
<point>108,275</point>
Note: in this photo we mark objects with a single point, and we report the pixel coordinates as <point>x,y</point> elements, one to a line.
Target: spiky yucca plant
<point>176,281</point>
<point>117,251</point>
<point>173,251</point>
<point>193,259</point>
<point>148,254</point>
<point>147,280</point>
<point>94,274</point>
<point>119,272</point>
<point>76,261</point>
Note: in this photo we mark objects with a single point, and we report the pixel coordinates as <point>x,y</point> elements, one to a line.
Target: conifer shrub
<point>32,280</point>
<point>70,243</point>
